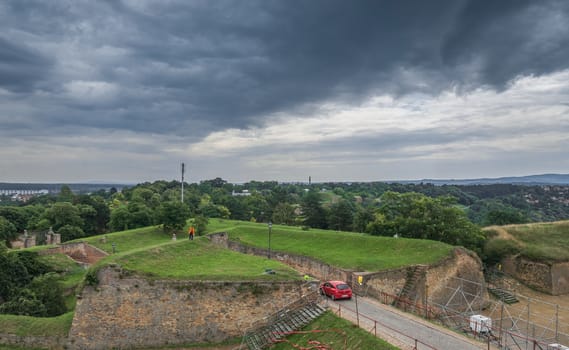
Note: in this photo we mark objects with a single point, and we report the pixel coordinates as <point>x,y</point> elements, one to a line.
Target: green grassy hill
<point>342,249</point>
<point>546,242</point>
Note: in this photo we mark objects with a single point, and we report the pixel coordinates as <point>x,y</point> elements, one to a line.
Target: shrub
<point>497,249</point>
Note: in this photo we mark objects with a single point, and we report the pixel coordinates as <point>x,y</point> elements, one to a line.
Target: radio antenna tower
<point>183,169</point>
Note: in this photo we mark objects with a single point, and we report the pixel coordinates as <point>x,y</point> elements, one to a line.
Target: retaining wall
<point>128,311</point>
<point>548,278</point>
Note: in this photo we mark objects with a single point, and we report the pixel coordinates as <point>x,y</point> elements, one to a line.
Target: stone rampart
<point>441,280</point>
<point>126,311</point>
<point>548,278</point>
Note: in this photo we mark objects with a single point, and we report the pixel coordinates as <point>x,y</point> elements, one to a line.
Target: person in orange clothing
<point>191,233</point>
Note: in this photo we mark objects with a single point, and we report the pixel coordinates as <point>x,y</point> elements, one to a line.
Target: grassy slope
<point>343,249</point>
<point>38,326</point>
<point>540,241</point>
<point>201,260</point>
<point>335,331</point>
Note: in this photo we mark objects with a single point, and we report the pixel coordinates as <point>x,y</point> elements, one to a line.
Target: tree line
<point>378,208</point>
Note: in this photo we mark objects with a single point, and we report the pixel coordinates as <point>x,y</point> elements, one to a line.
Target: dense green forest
<point>360,207</point>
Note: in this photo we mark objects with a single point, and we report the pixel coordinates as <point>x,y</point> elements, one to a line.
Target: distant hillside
<point>56,187</point>
<point>544,179</point>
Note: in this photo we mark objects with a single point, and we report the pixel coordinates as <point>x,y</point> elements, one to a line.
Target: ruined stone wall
<point>128,311</point>
<point>552,279</point>
<point>79,251</point>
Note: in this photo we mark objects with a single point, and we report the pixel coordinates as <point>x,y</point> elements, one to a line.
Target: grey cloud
<point>509,38</point>
<point>20,67</point>
<point>192,67</point>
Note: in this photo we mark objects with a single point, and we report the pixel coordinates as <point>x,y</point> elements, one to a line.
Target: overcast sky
<point>282,90</point>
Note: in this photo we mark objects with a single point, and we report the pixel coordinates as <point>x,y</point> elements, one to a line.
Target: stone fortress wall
<point>548,278</point>
<point>126,311</point>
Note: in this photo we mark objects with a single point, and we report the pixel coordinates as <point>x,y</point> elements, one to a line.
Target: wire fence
<point>505,329</point>
<point>384,331</point>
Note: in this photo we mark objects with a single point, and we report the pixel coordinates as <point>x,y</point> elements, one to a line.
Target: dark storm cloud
<point>20,67</point>
<point>190,67</point>
<point>510,38</point>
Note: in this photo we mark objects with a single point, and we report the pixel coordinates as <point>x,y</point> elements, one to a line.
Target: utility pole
<point>183,169</point>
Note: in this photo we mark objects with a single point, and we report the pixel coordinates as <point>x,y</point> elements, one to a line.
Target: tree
<point>48,291</point>
<point>63,213</point>
<point>284,214</point>
<point>362,218</point>
<point>25,303</point>
<point>415,215</point>
<point>215,183</point>
<point>313,213</point>
<point>200,223</point>
<point>140,215</point>
<point>505,216</point>
<point>120,219</point>
<point>16,216</point>
<point>341,216</point>
<point>13,274</point>
<point>65,194</point>
<point>173,216</point>
<point>8,231</point>
<point>69,232</point>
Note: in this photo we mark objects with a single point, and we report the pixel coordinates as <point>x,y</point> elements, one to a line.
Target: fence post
<point>375,327</point>
<point>357,311</point>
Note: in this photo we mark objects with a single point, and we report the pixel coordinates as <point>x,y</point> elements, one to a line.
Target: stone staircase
<point>409,291</point>
<point>503,295</point>
<point>286,321</point>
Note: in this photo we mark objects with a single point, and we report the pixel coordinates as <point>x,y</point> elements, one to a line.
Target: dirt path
<point>503,234</point>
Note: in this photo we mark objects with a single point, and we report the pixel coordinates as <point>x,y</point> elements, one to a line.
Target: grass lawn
<point>543,241</point>
<point>38,326</point>
<point>201,260</point>
<point>335,332</point>
<point>342,249</point>
<point>129,240</point>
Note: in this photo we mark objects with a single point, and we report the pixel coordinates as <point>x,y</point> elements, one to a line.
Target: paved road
<point>392,322</point>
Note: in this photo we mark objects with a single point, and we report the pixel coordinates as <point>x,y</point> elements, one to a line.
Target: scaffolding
<point>526,323</point>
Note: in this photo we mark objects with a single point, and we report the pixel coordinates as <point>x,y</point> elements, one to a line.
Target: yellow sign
<point>360,279</point>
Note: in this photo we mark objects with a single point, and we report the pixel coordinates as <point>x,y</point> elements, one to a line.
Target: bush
<point>497,249</point>
<point>69,233</point>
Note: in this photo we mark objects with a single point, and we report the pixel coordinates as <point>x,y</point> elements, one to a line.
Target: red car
<point>336,290</point>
